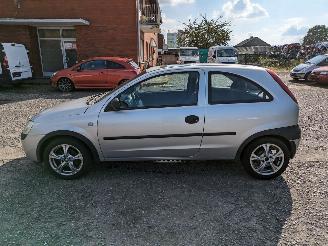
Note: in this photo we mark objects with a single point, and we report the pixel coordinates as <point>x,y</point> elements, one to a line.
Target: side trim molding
<point>172,136</point>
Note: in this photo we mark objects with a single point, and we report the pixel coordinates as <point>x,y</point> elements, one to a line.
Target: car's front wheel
<point>67,158</point>
<point>266,158</point>
<point>307,76</point>
<point>65,85</point>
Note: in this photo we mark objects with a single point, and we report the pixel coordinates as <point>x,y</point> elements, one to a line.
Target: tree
<point>205,33</point>
<point>316,34</point>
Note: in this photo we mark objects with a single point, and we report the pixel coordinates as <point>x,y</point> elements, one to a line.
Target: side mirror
<point>115,104</point>
<point>78,69</point>
<point>214,56</point>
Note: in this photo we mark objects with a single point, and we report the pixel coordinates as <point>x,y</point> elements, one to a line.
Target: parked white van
<point>15,64</point>
<point>188,55</point>
<point>223,54</point>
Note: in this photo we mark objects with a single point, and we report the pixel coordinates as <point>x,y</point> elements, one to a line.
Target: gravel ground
<point>162,204</point>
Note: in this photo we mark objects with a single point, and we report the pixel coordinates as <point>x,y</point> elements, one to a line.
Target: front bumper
<point>30,143</point>
<point>297,75</point>
<point>52,82</point>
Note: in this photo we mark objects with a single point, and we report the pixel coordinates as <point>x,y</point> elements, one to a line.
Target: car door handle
<point>192,119</point>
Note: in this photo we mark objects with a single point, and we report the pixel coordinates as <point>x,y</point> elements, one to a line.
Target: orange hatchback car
<point>97,72</point>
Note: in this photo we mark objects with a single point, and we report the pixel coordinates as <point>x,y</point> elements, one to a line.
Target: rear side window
<point>114,65</point>
<point>94,65</point>
<point>225,88</point>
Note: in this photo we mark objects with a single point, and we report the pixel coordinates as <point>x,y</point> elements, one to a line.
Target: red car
<point>97,72</point>
<point>320,75</point>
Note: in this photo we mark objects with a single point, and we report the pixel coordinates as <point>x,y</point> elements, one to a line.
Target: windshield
<point>98,97</point>
<point>227,53</point>
<point>188,52</point>
<point>316,60</point>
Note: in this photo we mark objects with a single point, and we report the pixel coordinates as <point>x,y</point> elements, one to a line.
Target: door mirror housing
<point>114,105</point>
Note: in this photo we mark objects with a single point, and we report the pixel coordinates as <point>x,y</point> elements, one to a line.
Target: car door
<point>236,105</point>
<point>160,117</point>
<point>115,73</point>
<point>91,74</point>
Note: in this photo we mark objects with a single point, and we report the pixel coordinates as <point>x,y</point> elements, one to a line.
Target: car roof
<point>206,66</point>
<point>222,47</point>
<point>112,58</point>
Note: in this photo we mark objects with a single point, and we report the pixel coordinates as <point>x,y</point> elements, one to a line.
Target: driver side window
<point>169,90</point>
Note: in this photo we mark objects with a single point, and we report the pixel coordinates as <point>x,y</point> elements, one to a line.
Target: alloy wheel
<point>66,160</point>
<point>267,159</point>
<point>65,85</point>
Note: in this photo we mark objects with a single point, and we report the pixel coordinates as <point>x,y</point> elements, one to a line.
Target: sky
<point>274,21</point>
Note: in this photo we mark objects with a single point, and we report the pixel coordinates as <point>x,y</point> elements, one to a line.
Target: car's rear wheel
<point>65,85</point>
<point>67,158</point>
<point>266,158</point>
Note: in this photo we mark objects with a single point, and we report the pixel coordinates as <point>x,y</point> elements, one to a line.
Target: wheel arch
<point>285,134</point>
<point>57,134</point>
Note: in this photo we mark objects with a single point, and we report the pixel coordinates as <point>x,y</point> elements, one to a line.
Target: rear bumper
<point>294,146</point>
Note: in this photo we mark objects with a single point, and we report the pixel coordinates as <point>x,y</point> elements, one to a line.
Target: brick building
<point>60,33</point>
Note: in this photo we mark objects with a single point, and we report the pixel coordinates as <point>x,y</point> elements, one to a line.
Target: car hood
<point>67,109</point>
<point>302,66</point>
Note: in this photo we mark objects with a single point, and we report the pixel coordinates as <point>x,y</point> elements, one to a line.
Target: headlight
<point>28,127</point>
<point>324,73</point>
<point>54,74</point>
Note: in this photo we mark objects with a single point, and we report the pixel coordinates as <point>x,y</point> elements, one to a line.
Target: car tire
<point>67,158</point>
<point>306,77</point>
<point>262,164</point>
<point>65,85</point>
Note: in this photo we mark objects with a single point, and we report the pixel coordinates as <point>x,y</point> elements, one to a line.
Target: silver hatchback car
<point>179,112</point>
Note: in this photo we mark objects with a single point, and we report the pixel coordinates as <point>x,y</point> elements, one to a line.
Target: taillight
<point>282,84</point>
<point>5,62</point>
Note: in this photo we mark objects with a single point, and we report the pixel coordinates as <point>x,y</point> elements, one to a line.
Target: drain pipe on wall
<point>138,31</point>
